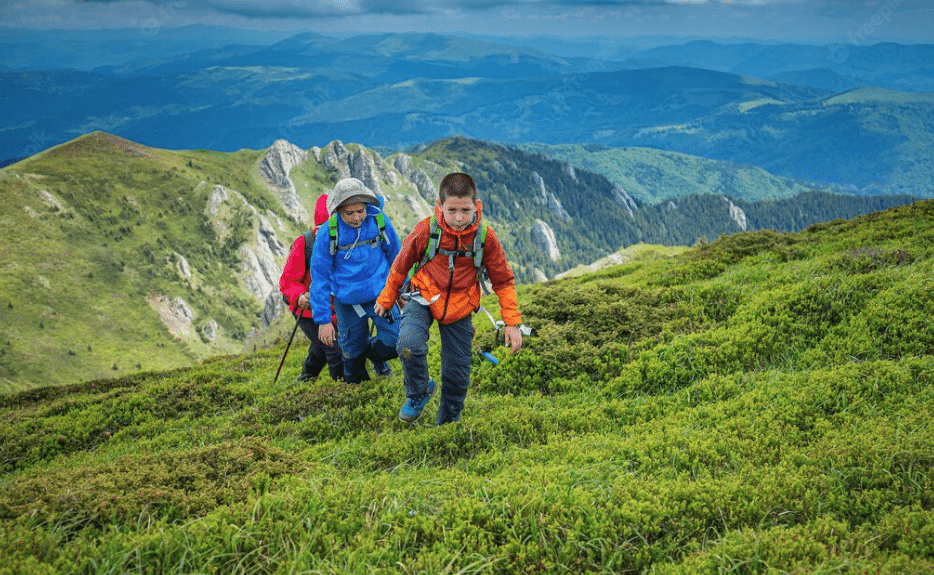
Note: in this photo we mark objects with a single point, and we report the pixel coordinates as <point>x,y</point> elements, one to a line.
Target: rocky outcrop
<point>363,167</point>
<point>544,239</point>
<point>548,199</point>
<point>210,330</point>
<point>275,168</point>
<point>625,200</point>
<point>418,207</point>
<point>259,268</point>
<point>272,308</point>
<point>416,177</point>
<point>736,214</point>
<point>176,314</point>
<point>261,272</point>
<point>183,267</point>
<point>334,156</point>
<point>52,201</point>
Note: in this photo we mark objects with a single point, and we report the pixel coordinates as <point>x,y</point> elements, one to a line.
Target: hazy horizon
<point>853,22</point>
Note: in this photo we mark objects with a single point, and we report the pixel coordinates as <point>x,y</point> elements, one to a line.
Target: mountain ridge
<point>398,91</point>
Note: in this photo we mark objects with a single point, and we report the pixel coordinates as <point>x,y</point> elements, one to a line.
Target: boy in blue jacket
<point>352,254</point>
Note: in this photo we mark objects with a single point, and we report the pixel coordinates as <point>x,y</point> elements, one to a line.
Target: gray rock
<point>544,239</point>
<point>210,330</point>
<point>624,200</point>
<point>363,167</point>
<point>275,168</point>
<point>416,177</point>
<point>272,308</point>
<point>736,214</point>
<point>548,199</point>
<point>334,157</point>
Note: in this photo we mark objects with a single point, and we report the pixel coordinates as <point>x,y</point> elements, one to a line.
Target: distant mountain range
<point>851,118</point>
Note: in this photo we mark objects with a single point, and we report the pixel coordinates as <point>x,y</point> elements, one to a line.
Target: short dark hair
<point>458,185</point>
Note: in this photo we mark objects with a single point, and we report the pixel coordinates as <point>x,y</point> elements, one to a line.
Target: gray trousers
<point>456,354</point>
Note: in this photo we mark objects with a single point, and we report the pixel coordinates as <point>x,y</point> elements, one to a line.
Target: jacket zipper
<point>447,298</point>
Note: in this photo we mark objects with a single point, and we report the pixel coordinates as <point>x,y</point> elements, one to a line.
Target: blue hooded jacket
<point>355,274</point>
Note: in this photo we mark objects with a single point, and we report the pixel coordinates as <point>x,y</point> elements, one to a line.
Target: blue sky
<point>817,21</point>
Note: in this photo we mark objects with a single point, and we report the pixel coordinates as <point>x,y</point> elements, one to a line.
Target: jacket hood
<point>321,210</point>
<point>350,190</point>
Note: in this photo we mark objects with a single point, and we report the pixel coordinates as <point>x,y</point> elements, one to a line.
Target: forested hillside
<point>759,404</point>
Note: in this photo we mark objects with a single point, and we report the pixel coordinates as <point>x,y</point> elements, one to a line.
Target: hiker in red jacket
<point>294,287</point>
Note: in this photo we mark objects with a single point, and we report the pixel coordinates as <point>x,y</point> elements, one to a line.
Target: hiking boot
<point>412,408</point>
<point>382,368</point>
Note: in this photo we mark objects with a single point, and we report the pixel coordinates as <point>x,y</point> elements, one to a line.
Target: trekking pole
<point>288,345</point>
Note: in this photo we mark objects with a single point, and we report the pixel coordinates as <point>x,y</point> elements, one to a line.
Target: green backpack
<point>434,240</point>
<point>382,239</point>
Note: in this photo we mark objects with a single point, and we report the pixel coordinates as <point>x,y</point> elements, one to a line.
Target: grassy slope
<point>759,404</point>
<point>128,213</point>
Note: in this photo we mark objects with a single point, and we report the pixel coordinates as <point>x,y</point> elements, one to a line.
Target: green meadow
<point>758,404</point>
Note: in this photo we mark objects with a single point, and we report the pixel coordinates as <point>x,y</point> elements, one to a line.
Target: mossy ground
<point>757,405</point>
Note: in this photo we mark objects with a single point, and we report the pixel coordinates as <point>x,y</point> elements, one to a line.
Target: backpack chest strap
<point>454,254</point>
<point>373,242</point>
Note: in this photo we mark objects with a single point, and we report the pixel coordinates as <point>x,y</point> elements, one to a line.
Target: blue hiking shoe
<point>412,408</point>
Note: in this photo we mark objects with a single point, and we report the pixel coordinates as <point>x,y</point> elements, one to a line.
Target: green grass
<point>78,276</point>
<point>760,404</point>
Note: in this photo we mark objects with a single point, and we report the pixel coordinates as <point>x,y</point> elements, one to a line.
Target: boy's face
<point>352,214</point>
<point>458,212</point>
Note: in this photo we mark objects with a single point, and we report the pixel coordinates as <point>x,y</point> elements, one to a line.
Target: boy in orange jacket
<point>446,288</point>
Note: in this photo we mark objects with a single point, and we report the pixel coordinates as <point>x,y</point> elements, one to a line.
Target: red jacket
<point>295,277</point>
<point>459,292</point>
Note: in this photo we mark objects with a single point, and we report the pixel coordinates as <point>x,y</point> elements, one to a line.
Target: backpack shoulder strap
<point>479,241</point>
<point>383,238</point>
<point>332,233</point>
<point>381,223</point>
<point>434,238</point>
<point>309,245</point>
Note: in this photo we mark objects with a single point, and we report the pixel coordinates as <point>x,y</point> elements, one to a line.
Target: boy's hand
<point>379,310</point>
<point>326,334</point>
<point>303,301</point>
<point>513,338</point>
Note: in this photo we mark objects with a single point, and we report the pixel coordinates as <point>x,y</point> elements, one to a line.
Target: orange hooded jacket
<point>458,291</point>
